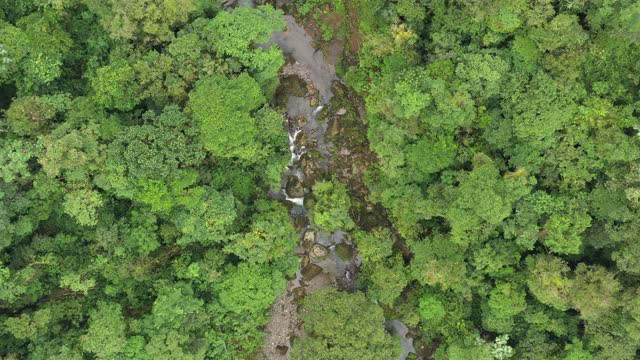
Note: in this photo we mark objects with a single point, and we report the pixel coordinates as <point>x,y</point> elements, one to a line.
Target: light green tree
<point>548,279</point>
<point>331,210</point>
<point>343,326</point>
<point>227,127</point>
<point>116,87</point>
<point>106,335</point>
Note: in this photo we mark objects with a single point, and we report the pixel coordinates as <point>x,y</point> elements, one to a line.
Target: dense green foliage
<point>135,151</point>
<point>138,141</point>
<point>331,210</point>
<point>506,133</point>
<point>343,326</point>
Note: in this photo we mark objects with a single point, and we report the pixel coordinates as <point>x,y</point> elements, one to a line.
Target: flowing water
<point>398,328</point>
<point>327,259</point>
<point>295,42</point>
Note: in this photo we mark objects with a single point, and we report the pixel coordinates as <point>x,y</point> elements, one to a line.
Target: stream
<point>327,259</point>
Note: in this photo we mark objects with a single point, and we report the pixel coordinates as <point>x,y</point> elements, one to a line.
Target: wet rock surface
<point>308,239</point>
<point>310,271</point>
<point>295,42</point>
<point>341,261</point>
<point>294,83</point>
<point>282,350</point>
<point>399,329</point>
<point>327,136</point>
<point>294,187</point>
<point>327,260</point>
<point>318,252</point>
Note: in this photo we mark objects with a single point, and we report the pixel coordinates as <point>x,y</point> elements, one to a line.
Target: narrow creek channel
<point>327,259</point>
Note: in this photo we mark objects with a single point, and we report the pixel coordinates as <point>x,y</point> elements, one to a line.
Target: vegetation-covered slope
<point>507,138</point>
<point>138,142</point>
<point>136,149</point>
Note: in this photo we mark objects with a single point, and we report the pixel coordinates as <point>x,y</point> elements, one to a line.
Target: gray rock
<point>310,271</point>
<point>399,329</point>
<point>282,349</point>
<point>294,187</point>
<point>308,239</point>
<point>344,251</point>
<point>318,252</point>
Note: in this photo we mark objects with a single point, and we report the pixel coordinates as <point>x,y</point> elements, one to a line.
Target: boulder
<point>294,187</point>
<point>310,271</point>
<point>318,252</point>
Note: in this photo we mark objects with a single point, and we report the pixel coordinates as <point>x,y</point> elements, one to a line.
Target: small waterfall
<point>297,201</point>
<point>327,259</point>
<point>296,153</point>
<point>292,167</point>
<point>317,111</point>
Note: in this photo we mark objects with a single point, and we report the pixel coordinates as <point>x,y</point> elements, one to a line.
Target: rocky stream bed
<point>326,138</point>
